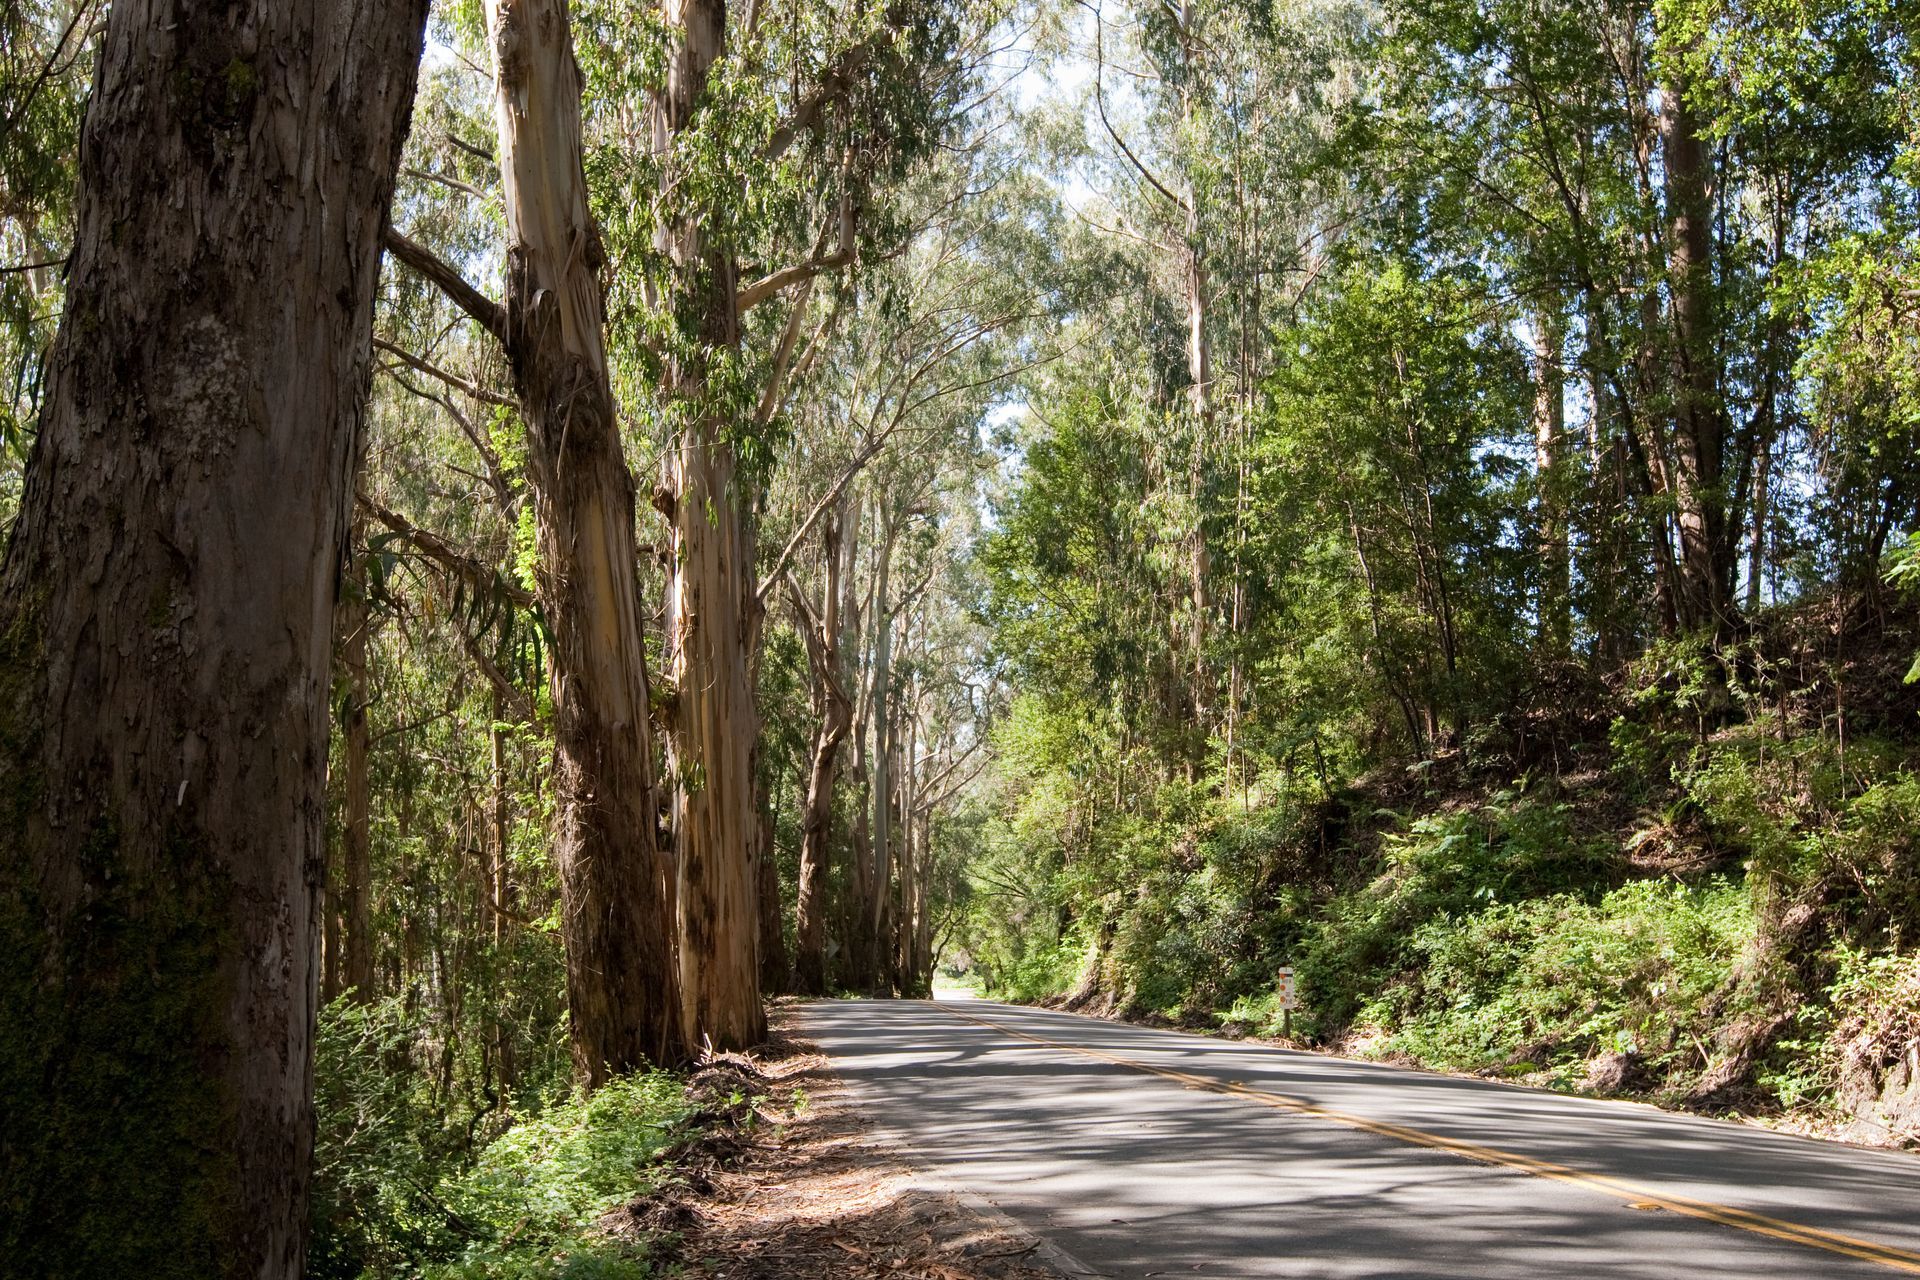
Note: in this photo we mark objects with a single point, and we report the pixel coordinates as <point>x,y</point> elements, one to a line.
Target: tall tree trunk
<point>776,972</point>
<point>1606,552</point>
<point>861,965</point>
<point>834,712</point>
<point>1200,395</point>
<point>862,948</point>
<point>622,996</point>
<point>166,627</point>
<point>330,932</point>
<point>902,949</point>
<point>1698,419</point>
<point>880,883</point>
<point>1200,392</point>
<point>357,826</point>
<point>716,724</point>
<point>711,604</point>
<point>1757,550</point>
<point>923,914</point>
<point>500,881</point>
<point>1552,606</point>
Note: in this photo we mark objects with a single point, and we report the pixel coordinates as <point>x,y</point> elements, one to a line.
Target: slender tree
<point>616,882</point>
<point>820,628</point>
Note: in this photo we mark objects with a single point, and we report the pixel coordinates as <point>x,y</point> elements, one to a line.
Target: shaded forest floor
<point>786,1181</point>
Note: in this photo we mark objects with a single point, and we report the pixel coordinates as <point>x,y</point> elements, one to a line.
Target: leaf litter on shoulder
<point>788,1182</point>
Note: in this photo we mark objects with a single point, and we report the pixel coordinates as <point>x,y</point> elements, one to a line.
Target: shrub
<point>396,1194</point>
<point>379,1145</point>
<point>529,1201</point>
<point>1549,982</point>
<point>1356,958</point>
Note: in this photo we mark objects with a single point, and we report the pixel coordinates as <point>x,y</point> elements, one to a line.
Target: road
<point>1148,1153</point>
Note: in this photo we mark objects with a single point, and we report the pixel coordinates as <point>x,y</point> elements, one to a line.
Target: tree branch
<point>928,805</point>
<point>443,553</point>
<point>827,499</point>
<point>34,266</point>
<point>495,478</point>
<point>471,149</point>
<point>772,393</point>
<point>425,263</point>
<point>765,287</point>
<point>834,85</point>
<point>1100,102</point>
<point>454,184</point>
<point>453,380</point>
<point>517,700</point>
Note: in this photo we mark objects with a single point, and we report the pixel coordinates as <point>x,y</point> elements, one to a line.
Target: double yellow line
<point>1639,1197</point>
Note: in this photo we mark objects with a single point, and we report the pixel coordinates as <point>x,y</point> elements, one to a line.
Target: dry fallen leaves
<point>780,1191</point>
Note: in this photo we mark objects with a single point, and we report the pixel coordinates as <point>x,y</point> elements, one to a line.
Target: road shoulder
<point>790,1181</point>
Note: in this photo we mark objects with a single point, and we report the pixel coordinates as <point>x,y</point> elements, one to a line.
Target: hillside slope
<point>1697,884</point>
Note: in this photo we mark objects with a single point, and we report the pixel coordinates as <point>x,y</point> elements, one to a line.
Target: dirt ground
<point>788,1183</point>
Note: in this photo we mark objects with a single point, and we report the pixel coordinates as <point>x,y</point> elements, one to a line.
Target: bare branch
<point>434,371</point>
<point>517,700</point>
<point>446,555</point>
<point>771,394</point>
<point>831,496</point>
<point>1100,102</point>
<point>765,287</point>
<point>464,188</point>
<point>935,801</point>
<point>472,149</point>
<point>495,478</point>
<point>33,266</point>
<point>491,315</point>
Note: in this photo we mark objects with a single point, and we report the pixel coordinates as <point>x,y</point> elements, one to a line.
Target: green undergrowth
<point>1719,907</point>
<point>405,1188</point>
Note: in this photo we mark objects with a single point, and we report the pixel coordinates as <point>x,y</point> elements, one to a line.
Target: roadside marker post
<point>1288,1000</point>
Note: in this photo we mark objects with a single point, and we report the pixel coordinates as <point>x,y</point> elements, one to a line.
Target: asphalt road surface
<point>1148,1153</point>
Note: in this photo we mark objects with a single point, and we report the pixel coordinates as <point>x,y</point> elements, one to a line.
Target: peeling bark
<point>713,606</point>
<point>621,989</point>
<point>166,627</point>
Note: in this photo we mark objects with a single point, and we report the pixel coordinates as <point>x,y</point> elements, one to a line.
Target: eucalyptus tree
<point>1810,120</point>
<point>167,607</point>
<point>923,344</point>
<point>1198,140</point>
<point>1401,387</point>
<point>819,121</point>
<point>1645,191</point>
<point>877,92</point>
<point>615,879</point>
<point>1171,42</point>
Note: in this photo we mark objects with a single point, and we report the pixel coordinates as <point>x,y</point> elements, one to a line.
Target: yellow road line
<point>1640,1196</point>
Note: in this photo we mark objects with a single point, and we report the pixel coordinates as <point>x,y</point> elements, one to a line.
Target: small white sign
<point>1288,999</point>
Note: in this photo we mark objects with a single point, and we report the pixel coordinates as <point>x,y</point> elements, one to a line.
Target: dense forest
<point>532,528</point>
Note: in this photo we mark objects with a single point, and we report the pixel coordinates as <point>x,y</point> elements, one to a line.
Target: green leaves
<point>397,1195</point>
